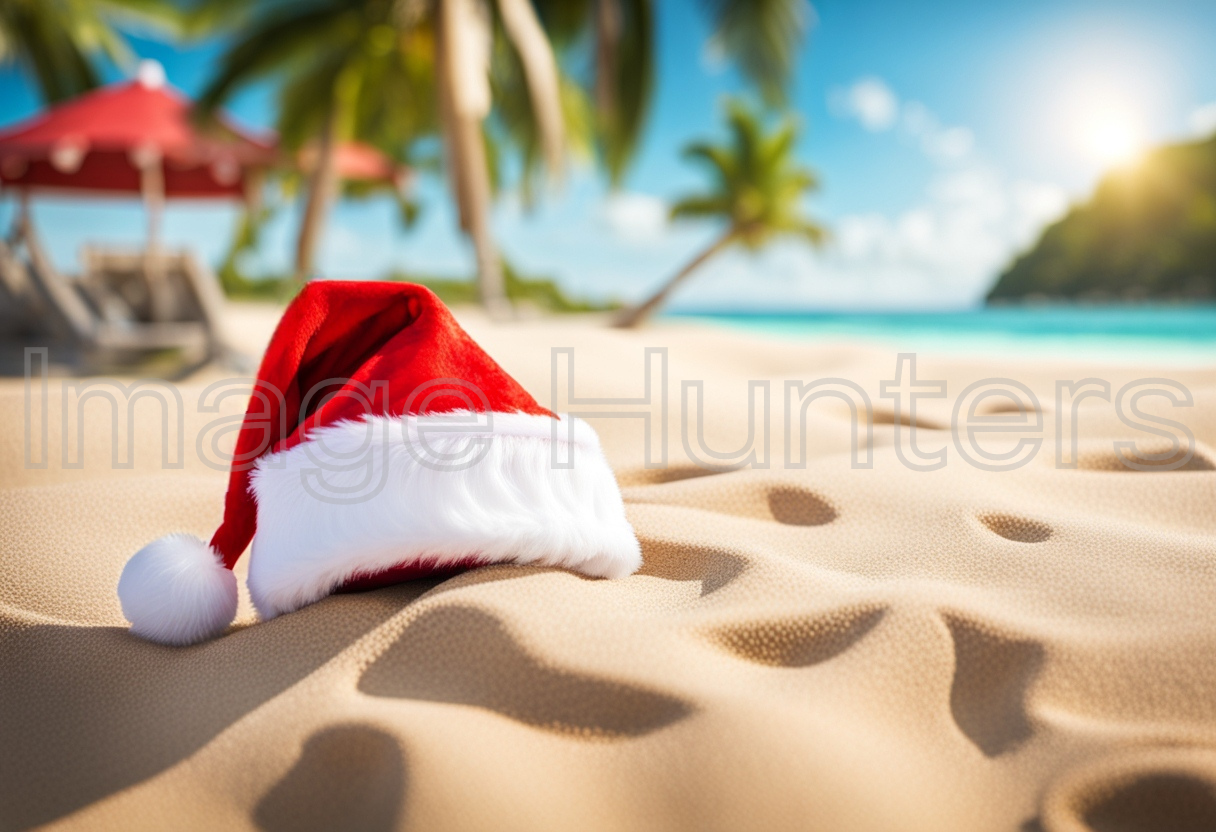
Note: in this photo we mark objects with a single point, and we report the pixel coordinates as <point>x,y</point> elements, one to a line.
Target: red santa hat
<point>381,443</point>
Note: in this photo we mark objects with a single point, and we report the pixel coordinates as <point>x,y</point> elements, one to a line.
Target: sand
<point>817,648</point>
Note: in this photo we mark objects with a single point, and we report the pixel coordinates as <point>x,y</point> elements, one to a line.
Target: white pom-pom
<point>177,591</point>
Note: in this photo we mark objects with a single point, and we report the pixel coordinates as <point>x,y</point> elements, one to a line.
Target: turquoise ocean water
<point>1128,335</point>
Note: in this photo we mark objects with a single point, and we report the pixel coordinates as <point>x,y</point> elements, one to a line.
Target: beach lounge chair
<point>175,287</point>
<point>98,322</point>
<point>19,306</point>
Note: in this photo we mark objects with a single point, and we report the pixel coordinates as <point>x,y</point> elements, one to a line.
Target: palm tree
<point>390,73</point>
<point>761,37</point>
<point>323,52</point>
<point>758,190</point>
<point>59,42</point>
<point>482,75</point>
<point>464,57</point>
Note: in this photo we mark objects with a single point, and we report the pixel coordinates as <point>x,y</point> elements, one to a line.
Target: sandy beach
<point>826,647</point>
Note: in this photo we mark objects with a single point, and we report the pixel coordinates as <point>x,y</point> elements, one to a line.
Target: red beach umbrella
<point>358,162</point>
<point>133,137</point>
<point>123,138</point>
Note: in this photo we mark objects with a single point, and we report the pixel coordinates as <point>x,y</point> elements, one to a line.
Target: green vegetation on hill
<point>1149,232</point>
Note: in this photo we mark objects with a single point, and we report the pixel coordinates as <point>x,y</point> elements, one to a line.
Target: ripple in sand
<point>799,507</point>
<point>797,641</point>
<point>888,417</point>
<point>465,656</point>
<point>713,568</point>
<point>1147,791</point>
<point>992,672</point>
<point>1152,458</point>
<point>1017,529</point>
<point>348,777</point>
<point>1003,406</point>
<point>659,476</point>
<point>1158,801</point>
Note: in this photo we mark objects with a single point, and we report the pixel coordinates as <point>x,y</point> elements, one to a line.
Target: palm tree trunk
<point>322,185</point>
<point>462,64</point>
<point>491,284</point>
<point>630,318</point>
<point>540,73</point>
<point>152,190</point>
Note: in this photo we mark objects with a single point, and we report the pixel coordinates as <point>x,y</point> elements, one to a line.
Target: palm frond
<point>747,141</point>
<point>815,234</point>
<point>763,38</point>
<point>565,21</point>
<point>515,126</point>
<point>208,18</point>
<point>701,207</point>
<point>152,18</point>
<point>720,160</point>
<point>778,144</point>
<point>396,105</point>
<point>283,37</point>
<point>624,84</point>
<point>540,73</point>
<point>305,99</point>
<point>61,43</point>
<point>46,42</point>
<point>758,183</point>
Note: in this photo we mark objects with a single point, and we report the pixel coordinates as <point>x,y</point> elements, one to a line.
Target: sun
<point>1109,133</point>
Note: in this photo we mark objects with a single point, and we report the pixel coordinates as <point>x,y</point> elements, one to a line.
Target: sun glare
<point>1109,134</point>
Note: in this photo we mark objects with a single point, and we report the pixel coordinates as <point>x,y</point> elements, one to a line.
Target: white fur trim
<point>176,591</point>
<point>510,506</point>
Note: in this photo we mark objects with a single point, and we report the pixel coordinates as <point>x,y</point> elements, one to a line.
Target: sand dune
<point>815,648</point>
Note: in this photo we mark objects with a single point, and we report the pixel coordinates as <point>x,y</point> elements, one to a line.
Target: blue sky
<point>946,134</point>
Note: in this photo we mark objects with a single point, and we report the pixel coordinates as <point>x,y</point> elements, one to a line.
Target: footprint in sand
<point>992,673</point>
<point>888,417</point>
<point>348,777</point>
<point>795,506</point>
<point>797,641</point>
<point>755,497</point>
<point>659,476</point>
<point>465,656</point>
<point>1154,790</point>
<point>1017,529</point>
<point>1003,406</point>
<point>713,568</point>
<point>1149,458</point>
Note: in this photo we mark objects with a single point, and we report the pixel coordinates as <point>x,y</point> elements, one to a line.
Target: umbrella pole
<point>152,188</point>
<point>21,222</point>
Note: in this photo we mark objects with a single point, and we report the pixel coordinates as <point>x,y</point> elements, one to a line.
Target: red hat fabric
<point>382,443</point>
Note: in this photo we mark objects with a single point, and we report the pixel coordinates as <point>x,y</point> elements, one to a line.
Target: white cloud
<point>942,144</point>
<point>636,217</point>
<point>868,100</point>
<point>966,229</point>
<point>1202,120</point>
<point>942,251</point>
<point>877,108</point>
<point>949,144</point>
<point>1038,203</point>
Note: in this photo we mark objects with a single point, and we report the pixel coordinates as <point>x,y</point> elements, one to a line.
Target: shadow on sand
<point>130,709</point>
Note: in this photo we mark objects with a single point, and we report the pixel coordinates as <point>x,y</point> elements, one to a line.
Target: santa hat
<point>381,444</point>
